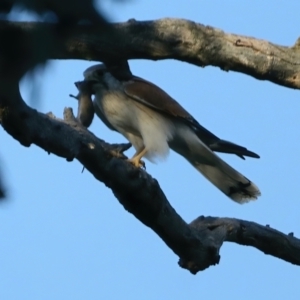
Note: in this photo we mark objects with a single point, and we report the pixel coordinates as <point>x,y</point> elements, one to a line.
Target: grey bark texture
<point>172,38</point>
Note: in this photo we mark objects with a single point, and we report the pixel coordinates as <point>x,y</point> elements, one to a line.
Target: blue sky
<point>64,235</point>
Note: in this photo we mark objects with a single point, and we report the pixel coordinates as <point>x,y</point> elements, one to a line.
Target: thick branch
<point>179,39</point>
<point>264,238</point>
<point>197,244</point>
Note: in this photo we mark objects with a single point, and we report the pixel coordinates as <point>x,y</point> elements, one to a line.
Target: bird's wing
<point>229,147</point>
<point>152,96</point>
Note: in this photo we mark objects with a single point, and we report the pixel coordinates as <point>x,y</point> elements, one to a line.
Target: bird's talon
<point>137,163</point>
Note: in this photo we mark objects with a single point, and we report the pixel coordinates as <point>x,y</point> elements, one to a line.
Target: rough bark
<point>172,38</point>
<point>197,244</point>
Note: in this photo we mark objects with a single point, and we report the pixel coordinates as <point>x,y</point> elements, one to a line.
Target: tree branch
<point>178,39</point>
<point>264,238</point>
<point>197,244</point>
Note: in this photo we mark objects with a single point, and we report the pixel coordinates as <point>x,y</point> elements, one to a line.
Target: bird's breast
<point>117,108</point>
<point>140,124</point>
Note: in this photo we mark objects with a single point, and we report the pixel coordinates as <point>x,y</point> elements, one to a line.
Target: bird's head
<point>95,73</point>
<point>105,73</point>
<point>109,76</point>
<point>98,76</point>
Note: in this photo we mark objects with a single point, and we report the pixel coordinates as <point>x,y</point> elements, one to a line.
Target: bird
<point>153,122</point>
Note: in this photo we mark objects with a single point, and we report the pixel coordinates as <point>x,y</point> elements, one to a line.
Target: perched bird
<point>154,122</point>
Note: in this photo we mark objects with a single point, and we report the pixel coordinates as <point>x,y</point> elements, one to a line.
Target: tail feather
<point>233,184</point>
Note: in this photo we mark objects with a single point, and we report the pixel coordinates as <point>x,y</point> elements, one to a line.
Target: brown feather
<point>154,97</point>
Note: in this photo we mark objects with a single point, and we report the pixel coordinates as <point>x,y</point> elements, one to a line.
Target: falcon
<point>154,122</point>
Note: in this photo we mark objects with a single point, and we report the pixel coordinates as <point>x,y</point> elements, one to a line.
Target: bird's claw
<point>138,163</point>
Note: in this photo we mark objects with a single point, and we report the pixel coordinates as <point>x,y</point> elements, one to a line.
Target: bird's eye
<point>100,73</point>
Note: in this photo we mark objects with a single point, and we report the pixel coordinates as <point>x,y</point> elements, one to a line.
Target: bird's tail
<point>233,184</point>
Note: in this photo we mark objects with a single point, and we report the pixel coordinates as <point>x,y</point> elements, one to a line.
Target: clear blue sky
<point>63,234</point>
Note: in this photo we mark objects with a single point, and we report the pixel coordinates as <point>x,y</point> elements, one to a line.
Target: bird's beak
<point>77,83</point>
